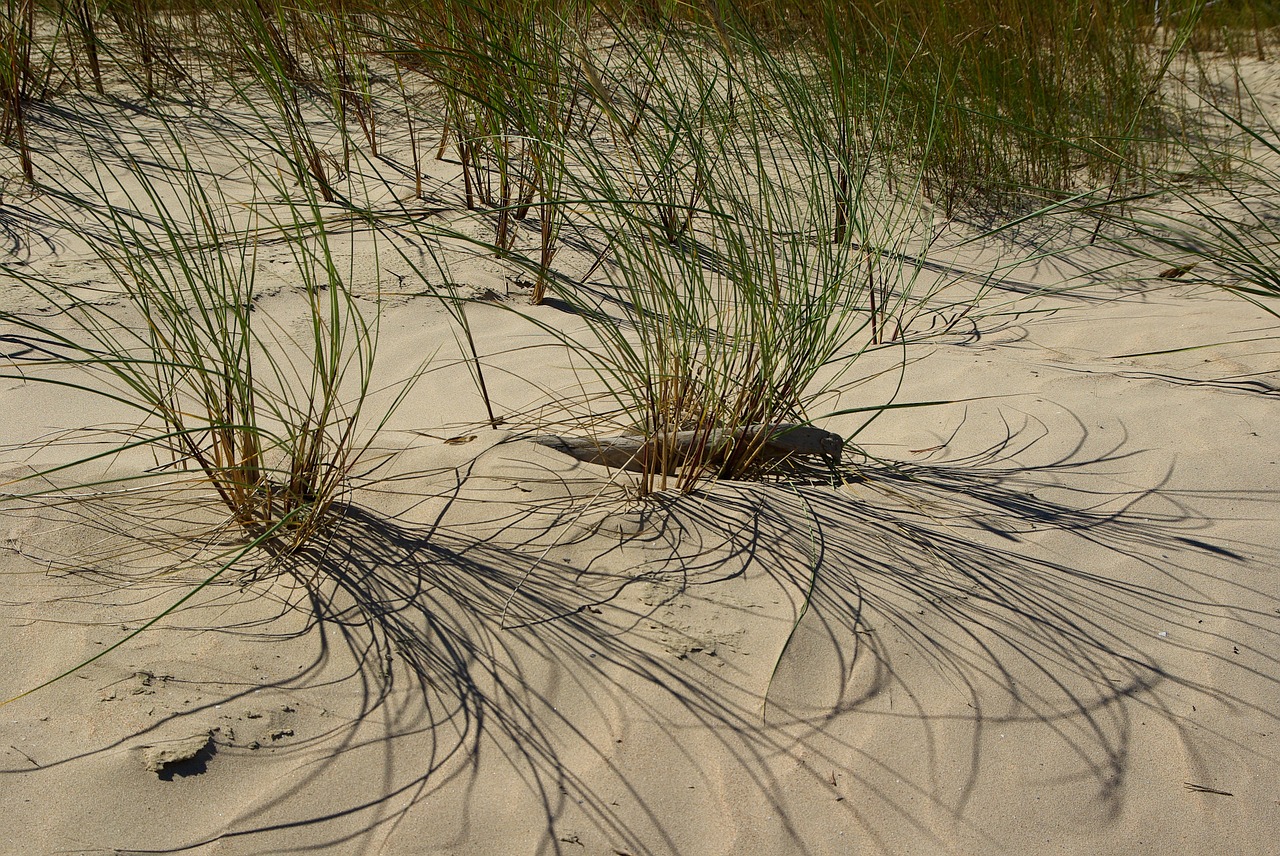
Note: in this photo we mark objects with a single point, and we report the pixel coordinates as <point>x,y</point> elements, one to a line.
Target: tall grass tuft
<point>264,44</point>
<point>270,418</point>
<point>1220,223</point>
<point>511,93</point>
<point>1029,97</point>
<point>85,21</point>
<point>17,32</point>
<point>725,311</point>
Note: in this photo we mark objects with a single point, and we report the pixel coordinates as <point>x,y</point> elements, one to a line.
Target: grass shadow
<point>485,641</point>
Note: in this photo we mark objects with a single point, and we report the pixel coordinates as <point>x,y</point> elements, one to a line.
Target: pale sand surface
<point>1066,616</point>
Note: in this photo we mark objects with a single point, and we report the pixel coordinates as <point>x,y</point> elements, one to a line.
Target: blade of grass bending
<point>907,404</point>
<point>1270,338</point>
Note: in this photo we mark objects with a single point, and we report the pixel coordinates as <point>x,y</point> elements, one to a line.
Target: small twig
<point>1204,789</point>
<point>24,755</point>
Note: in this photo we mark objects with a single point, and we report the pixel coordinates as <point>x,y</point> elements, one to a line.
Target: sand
<point>1044,618</point>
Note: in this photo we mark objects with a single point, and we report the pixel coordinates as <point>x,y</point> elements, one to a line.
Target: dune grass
<point>18,77</point>
<point>757,185</point>
<point>1220,222</point>
<point>742,267</point>
<point>270,418</point>
<point>759,211</point>
<point>1031,98</point>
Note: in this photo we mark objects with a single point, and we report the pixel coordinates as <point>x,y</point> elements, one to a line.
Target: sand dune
<point>1040,619</point>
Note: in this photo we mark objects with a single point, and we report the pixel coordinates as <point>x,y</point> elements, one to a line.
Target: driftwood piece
<point>770,443</point>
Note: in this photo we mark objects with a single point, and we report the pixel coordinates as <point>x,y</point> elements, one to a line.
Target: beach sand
<point>1042,619</point>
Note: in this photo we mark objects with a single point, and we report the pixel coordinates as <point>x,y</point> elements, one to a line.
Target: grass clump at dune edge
<point>269,418</point>
<point>740,278</point>
<point>1219,224</point>
<point>1032,98</point>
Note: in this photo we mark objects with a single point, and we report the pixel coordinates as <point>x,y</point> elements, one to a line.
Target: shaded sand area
<point>1041,619</point>
<point>1053,631</point>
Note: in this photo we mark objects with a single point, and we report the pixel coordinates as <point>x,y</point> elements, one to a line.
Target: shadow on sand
<point>1032,599</point>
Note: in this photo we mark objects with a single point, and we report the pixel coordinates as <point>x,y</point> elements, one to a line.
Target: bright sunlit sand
<point>296,348</point>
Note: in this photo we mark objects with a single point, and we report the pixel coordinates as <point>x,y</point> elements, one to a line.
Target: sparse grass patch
<point>740,276</point>
<point>271,418</point>
<point>17,77</point>
<point>1220,225</point>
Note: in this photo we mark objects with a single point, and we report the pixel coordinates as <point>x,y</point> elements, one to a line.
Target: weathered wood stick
<point>773,441</point>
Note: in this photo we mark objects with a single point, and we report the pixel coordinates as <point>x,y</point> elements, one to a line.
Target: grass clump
<point>741,272</point>
<point>18,77</point>
<point>270,418</point>
<point>1220,223</point>
<point>1029,99</point>
<point>512,96</point>
<point>1033,99</point>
